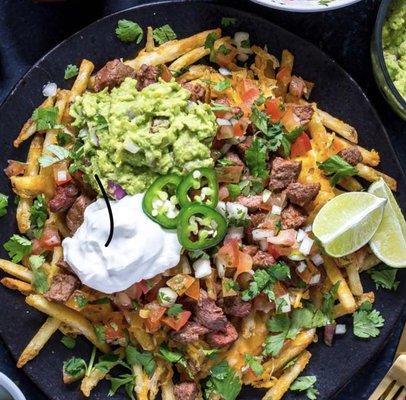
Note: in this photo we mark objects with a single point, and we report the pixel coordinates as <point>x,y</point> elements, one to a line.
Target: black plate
<point>335,91</point>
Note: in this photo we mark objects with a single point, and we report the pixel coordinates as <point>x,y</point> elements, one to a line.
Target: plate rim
<point>254,13</point>
<point>304,9</point>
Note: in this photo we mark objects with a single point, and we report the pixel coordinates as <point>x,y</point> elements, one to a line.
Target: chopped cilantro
<point>64,138</point>
<point>3,204</point>
<point>289,138</point>
<point>367,321</point>
<point>124,380</point>
<point>234,191</point>
<point>384,277</point>
<point>39,274</point>
<point>228,21</point>
<point>174,310</point>
<point>254,363</point>
<point>222,85</point>
<point>38,215</point>
<point>329,297</point>
<point>211,353</point>
<point>220,107</point>
<point>144,358</point>
<point>129,31</point>
<point>100,332</point>
<point>163,34</point>
<point>17,247</point>
<point>210,39</point>
<point>337,168</point>
<point>174,357</point>
<point>71,71</point>
<point>245,44</point>
<point>256,158</point>
<point>75,368</point>
<point>223,381</point>
<point>306,384</point>
<point>69,342</point>
<point>81,301</point>
<point>223,49</point>
<point>45,117</point>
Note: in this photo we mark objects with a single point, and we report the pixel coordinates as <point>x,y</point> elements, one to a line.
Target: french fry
<point>369,157</point>
<point>136,329</point>
<point>30,127</point>
<point>346,131</point>
<point>350,184</point>
<point>195,72</point>
<point>68,316</point>
<point>16,270</point>
<point>15,284</point>
<point>354,280</point>
<point>31,186</point>
<point>141,383</point>
<point>371,175</point>
<point>344,293</point>
<point>150,44</point>
<point>171,50</point>
<point>89,382</point>
<point>195,55</point>
<point>39,340</point>
<point>167,390</point>
<point>283,383</point>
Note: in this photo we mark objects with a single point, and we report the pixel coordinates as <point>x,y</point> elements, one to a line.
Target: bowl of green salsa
<point>388,52</point>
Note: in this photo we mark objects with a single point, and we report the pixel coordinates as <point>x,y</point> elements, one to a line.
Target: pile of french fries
<point>328,134</point>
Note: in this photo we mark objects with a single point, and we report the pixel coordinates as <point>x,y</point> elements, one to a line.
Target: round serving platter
<point>335,91</point>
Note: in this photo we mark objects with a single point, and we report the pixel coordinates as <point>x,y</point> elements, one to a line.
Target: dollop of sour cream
<point>140,248</point>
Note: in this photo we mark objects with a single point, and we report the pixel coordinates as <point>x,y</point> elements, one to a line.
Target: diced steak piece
<point>283,173</point>
<point>302,193</point>
<point>293,217</point>
<point>255,220</point>
<point>75,215</point>
<point>63,264</point>
<point>146,75</point>
<point>190,332</point>
<point>221,339</point>
<point>243,146</point>
<point>186,391</point>
<point>351,154</point>
<point>62,287</point>
<point>249,249</point>
<point>253,203</point>
<point>15,168</point>
<point>112,75</point>
<point>234,158</point>
<point>197,92</point>
<point>262,259</point>
<point>235,307</point>
<point>304,113</point>
<point>209,314</point>
<point>63,198</point>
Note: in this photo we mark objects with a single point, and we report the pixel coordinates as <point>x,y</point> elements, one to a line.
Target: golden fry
<point>31,186</point>
<point>167,390</point>
<point>16,270</point>
<point>89,382</point>
<point>346,131</point>
<point>370,157</point>
<point>350,184</point>
<point>371,175</point>
<point>150,44</point>
<point>354,280</point>
<point>15,284</point>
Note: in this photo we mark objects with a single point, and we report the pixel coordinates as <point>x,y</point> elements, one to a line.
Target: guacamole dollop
<point>131,137</point>
<point>394,44</point>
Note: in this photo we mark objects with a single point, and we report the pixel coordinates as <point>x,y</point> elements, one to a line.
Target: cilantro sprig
<point>3,204</point>
<point>367,321</point>
<point>163,34</point>
<point>39,274</point>
<point>45,117</point>
<point>384,277</point>
<point>71,71</point>
<point>254,363</point>
<point>38,215</point>
<point>129,31</point>
<point>18,247</point>
<point>144,358</point>
<point>306,384</point>
<point>256,159</point>
<point>337,168</point>
<point>223,381</point>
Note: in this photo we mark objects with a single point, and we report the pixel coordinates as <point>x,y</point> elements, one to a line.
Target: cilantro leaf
<point>144,358</point>
<point>126,380</point>
<point>234,191</point>
<point>289,138</point>
<point>38,215</point>
<point>227,21</point>
<point>109,361</point>
<point>367,321</point>
<point>210,39</point>
<point>81,301</point>
<point>306,384</point>
<point>39,274</point>
<point>17,247</point>
<point>174,357</point>
<point>174,310</point>
<point>210,353</point>
<point>254,363</point>
<point>273,344</point>
<point>100,332</point>
<point>163,34</point>
<point>223,382</point>
<point>384,277</point>
<point>222,85</point>
<point>69,342</point>
<point>75,368</point>
<point>223,49</point>
<point>58,154</point>
<point>3,204</point>
<point>273,132</point>
<point>337,168</point>
<point>64,138</point>
<point>71,71</point>
<point>45,117</point>
<point>259,119</point>
<point>329,297</point>
<point>129,31</point>
<point>256,157</point>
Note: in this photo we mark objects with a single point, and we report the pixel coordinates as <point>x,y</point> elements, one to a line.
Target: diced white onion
<point>235,233</point>
<point>224,71</point>
<point>196,174</point>
<point>221,208</point>
<point>240,37</point>
<point>263,244</point>
<point>259,234</point>
<point>130,146</point>
<point>49,89</point>
<point>236,210</point>
<point>341,329</point>
<point>223,122</point>
<point>307,228</point>
<point>266,195</point>
<point>315,280</point>
<point>202,267</point>
<point>221,269</point>
<point>276,210</point>
<point>61,176</point>
<point>167,297</point>
<point>317,259</point>
<point>286,306</point>
<point>301,267</point>
<point>296,256</point>
<point>300,235</point>
<point>306,245</point>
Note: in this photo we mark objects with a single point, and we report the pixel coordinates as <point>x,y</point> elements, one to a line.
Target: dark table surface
<point>28,30</point>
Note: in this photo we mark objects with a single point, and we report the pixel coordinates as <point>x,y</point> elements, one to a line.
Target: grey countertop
<point>28,30</point>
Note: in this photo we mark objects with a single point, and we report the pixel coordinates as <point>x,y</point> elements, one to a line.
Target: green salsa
<point>131,137</point>
<point>394,44</point>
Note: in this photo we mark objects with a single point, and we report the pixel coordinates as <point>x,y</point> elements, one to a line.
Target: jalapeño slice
<point>199,186</point>
<point>200,227</point>
<point>160,202</point>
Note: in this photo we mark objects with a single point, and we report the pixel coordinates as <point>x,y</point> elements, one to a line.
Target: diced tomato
<point>178,321</point>
<point>194,290</point>
<point>250,92</point>
<point>300,146</point>
<point>244,263</point>
<point>285,237</point>
<point>50,237</point>
<point>238,129</point>
<point>61,174</point>
<point>155,315</point>
<point>152,326</point>
<point>274,250</point>
<point>229,254</point>
<point>114,327</point>
<point>275,109</point>
<point>290,120</point>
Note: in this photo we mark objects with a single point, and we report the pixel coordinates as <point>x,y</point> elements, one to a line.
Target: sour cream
<point>140,248</point>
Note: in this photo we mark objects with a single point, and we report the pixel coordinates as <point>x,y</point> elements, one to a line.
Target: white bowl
<point>11,387</point>
<point>306,5</point>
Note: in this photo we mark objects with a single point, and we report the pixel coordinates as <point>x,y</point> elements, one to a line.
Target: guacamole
<point>394,44</point>
<point>131,137</point>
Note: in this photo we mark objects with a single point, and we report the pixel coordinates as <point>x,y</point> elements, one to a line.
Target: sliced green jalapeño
<point>200,227</point>
<point>160,202</point>
<point>199,186</point>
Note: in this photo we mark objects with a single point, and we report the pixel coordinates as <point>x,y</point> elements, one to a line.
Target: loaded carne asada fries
<point>215,163</point>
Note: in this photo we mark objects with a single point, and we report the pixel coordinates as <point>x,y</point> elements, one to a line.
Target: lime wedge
<point>389,241</point>
<point>347,222</point>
